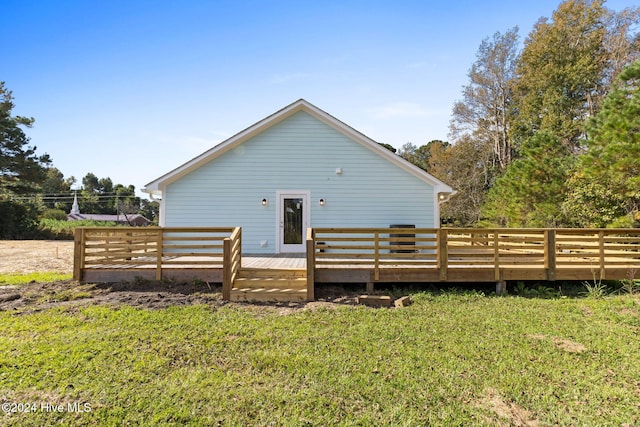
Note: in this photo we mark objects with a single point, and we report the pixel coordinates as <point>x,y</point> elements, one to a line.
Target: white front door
<point>293,220</point>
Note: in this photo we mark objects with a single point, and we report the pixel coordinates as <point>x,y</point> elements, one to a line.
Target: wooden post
<point>496,255</point>
<point>226,269</point>
<point>240,252</point>
<point>376,256</point>
<point>601,254</point>
<point>311,265</point>
<point>443,253</point>
<point>78,253</point>
<point>550,254</point>
<point>501,287</point>
<point>160,250</point>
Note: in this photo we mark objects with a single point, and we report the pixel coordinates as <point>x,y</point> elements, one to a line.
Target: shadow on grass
<point>152,286</point>
<point>525,289</point>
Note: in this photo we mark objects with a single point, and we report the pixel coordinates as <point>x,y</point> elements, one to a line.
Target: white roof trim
<point>157,186</point>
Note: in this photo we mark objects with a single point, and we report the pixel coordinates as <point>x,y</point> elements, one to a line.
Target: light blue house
<point>298,168</point>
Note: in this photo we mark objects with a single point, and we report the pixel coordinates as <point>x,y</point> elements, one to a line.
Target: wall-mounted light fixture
<point>444,197</point>
<point>265,202</point>
<point>338,171</point>
<point>321,202</point>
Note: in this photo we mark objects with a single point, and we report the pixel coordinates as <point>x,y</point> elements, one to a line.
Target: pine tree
<point>21,170</point>
<point>612,159</point>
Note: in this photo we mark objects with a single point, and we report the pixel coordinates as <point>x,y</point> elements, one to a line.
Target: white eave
<point>157,186</point>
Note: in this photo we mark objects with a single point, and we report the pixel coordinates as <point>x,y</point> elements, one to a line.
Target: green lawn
<point>449,359</point>
<point>20,278</point>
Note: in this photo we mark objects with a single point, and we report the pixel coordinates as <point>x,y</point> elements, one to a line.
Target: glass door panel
<point>293,221</point>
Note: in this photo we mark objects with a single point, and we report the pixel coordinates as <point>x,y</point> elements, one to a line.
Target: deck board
<point>274,261</point>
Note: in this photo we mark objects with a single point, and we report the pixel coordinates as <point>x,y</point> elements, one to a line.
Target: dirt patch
<point>36,296</point>
<point>68,293</point>
<point>586,311</point>
<point>29,256</point>
<point>569,346</point>
<point>629,312</point>
<point>510,412</point>
<point>561,343</point>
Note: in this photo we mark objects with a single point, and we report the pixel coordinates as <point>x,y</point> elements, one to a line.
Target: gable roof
<point>156,186</point>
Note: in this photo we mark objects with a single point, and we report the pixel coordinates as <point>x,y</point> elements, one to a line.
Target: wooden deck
<point>355,256</point>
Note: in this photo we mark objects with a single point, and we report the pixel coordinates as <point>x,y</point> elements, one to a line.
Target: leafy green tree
<point>89,199</point>
<point>622,42</point>
<point>125,200</point>
<point>483,112</point>
<point>562,76</point>
<point>420,156</point>
<point>566,66</point>
<point>591,203</point>
<point>560,71</point>
<point>407,152</point>
<point>101,196</point>
<point>466,167</point>
<point>388,146</point>
<point>21,172</point>
<point>57,190</point>
<point>18,220</point>
<point>21,169</point>
<point>612,160</point>
<point>531,192</point>
<point>150,209</point>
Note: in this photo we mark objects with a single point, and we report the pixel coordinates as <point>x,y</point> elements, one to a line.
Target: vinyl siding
<point>299,153</point>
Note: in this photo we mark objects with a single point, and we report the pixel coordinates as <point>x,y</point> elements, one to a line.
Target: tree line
<point>32,188</point>
<point>544,135</point>
<point>547,135</point>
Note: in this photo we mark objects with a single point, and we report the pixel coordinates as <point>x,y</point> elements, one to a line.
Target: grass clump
<point>595,289</point>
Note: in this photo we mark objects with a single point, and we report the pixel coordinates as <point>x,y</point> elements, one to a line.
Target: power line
<point>62,198</point>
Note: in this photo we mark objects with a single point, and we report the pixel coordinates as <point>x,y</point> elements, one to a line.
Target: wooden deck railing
<point>375,254</point>
<point>311,264</point>
<point>597,250</point>
<point>232,261</point>
<point>126,247</point>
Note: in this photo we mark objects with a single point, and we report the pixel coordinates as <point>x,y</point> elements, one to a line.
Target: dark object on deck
<point>401,243</point>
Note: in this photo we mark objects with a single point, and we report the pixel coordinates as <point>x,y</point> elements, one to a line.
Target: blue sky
<point>132,89</point>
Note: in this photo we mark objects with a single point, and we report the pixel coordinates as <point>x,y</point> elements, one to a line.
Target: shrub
<point>56,214</point>
<point>17,220</point>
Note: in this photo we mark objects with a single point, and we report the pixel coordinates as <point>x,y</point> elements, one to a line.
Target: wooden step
<point>272,272</point>
<point>267,282</point>
<point>270,284</point>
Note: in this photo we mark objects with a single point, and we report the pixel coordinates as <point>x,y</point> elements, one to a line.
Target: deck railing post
<point>601,254</point>
<point>496,254</point>
<point>159,245</point>
<point>376,255</point>
<point>550,254</point>
<point>240,251</point>
<point>443,253</point>
<point>311,264</point>
<point>226,269</point>
<point>78,253</point>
